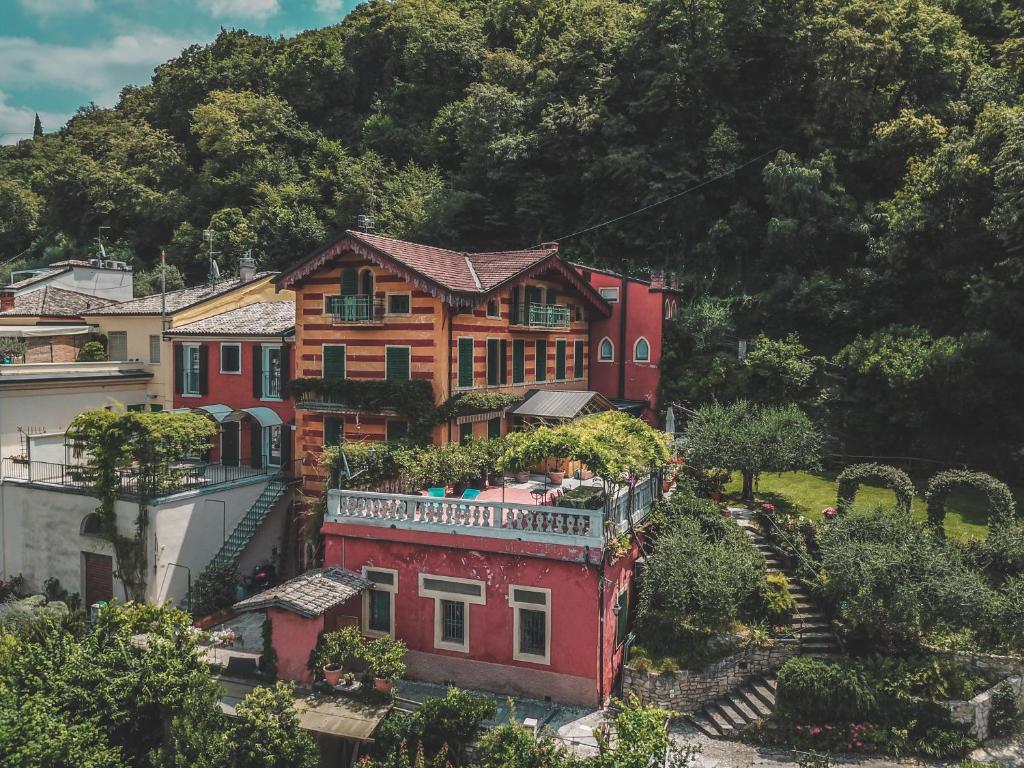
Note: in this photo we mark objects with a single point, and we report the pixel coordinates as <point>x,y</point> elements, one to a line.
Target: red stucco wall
<point>293,638</point>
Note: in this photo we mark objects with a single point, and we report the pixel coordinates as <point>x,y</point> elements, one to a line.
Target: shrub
<point>809,687</point>
<point>779,604</point>
<point>1005,714</point>
<point>385,658</point>
<point>454,719</point>
<point>92,352</point>
<point>215,589</point>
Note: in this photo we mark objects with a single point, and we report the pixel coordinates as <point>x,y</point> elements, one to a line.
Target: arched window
<point>641,351</point>
<point>668,310</point>
<point>675,309</point>
<point>90,525</point>
<point>349,281</point>
<point>366,282</point>
<point>606,350</point>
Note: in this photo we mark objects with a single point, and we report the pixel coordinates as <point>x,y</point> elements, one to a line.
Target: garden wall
<point>685,690</point>
<point>977,712</point>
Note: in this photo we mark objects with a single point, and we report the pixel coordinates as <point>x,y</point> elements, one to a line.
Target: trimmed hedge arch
<point>851,478</point>
<point>1002,506</point>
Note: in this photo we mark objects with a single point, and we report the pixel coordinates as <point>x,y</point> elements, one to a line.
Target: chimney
<point>246,268</point>
<point>673,280</point>
<point>657,278</point>
<point>549,247</point>
<point>6,300</point>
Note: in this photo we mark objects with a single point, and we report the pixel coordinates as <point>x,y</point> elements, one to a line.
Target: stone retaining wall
<point>977,712</point>
<point>685,690</point>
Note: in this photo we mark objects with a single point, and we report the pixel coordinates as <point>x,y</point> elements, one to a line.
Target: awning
<point>266,417</point>
<point>217,411</point>
<point>632,407</point>
<point>36,331</point>
<point>560,404</point>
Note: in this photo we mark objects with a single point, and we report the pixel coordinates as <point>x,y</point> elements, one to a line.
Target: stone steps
<point>737,710</point>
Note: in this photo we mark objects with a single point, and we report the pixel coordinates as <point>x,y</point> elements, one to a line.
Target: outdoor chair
<point>438,492</point>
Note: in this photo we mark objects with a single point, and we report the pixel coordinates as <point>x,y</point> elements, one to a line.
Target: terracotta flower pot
<point>332,674</point>
<point>523,477</point>
<point>382,685</point>
<point>557,477</point>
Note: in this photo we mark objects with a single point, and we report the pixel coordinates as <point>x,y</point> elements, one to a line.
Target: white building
<point>105,279</point>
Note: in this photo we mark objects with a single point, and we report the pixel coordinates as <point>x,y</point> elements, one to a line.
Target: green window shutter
<point>492,362</point>
<point>397,430</point>
<point>155,408</point>
<point>577,360</point>
<point>334,362</point>
<point>518,361</point>
<point>540,362</point>
<point>398,364</point>
<point>465,362</point>
<point>465,432</point>
<point>503,362</point>
<point>560,359</point>
<point>349,281</point>
<point>494,427</point>
<point>622,618</point>
<point>333,428</point>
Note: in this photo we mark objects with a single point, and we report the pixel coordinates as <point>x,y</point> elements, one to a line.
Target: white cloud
<point>250,9</point>
<point>328,6</point>
<point>97,71</point>
<point>16,122</point>
<point>57,7</point>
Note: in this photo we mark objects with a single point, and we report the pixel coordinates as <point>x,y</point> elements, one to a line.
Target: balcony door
<point>270,372</point>
<point>272,447</point>
<point>230,445</point>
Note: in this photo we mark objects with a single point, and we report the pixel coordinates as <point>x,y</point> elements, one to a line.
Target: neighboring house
<point>134,329</point>
<point>374,308</point>
<point>48,320</point>
<point>626,346</point>
<point>103,278</point>
<point>235,366</point>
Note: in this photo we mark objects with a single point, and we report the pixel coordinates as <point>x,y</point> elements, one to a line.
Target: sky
<point>57,55</point>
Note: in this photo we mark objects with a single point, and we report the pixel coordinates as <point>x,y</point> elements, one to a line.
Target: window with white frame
<point>399,304</point>
<point>154,348</point>
<point>642,351</point>
<point>611,295</point>
<point>531,623</point>
<point>606,350</point>
<point>452,598</point>
<point>230,358</point>
<point>379,602</point>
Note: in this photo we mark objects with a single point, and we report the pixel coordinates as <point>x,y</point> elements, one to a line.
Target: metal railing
<point>271,384</point>
<point>356,309</point>
<point>191,384</point>
<point>176,478</point>
<point>534,315</point>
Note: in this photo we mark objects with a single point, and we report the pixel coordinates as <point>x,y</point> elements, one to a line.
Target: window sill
<point>529,658</point>
<point>442,646</point>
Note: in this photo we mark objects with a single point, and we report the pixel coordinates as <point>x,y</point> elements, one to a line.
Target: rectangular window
<point>230,358</point>
<point>493,365</point>
<point>493,308</point>
<point>622,617</point>
<point>117,345</point>
<point>398,364</point>
<point>465,362</point>
<point>577,359</point>
<point>399,304</point>
<point>397,430</point>
<point>334,429</point>
<point>578,311</point>
<point>452,599</point>
<point>531,622</point>
<point>334,361</point>
<point>192,355</point>
<point>154,349</point>
<point>379,601</point>
<point>560,360</point>
<point>611,295</point>
<point>465,432</point>
<point>540,362</point>
<point>136,408</point>
<point>552,296</point>
<point>518,361</point>
<point>155,408</point>
<point>494,427</point>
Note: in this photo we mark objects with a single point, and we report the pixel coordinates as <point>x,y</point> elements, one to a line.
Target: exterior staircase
<point>250,523</point>
<point>755,699</point>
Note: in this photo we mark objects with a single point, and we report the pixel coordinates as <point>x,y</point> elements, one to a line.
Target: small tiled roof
<point>266,318</point>
<point>33,279</point>
<point>55,302</point>
<point>560,403</point>
<point>177,300</point>
<point>310,594</point>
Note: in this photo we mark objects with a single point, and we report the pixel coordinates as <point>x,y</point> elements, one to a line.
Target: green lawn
<point>810,492</point>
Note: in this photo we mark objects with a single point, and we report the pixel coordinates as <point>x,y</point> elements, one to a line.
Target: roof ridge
<point>472,272</point>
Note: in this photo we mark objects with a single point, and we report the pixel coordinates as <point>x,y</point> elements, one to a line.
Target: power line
<point>670,198</point>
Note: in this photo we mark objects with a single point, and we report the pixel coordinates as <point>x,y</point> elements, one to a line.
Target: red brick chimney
<point>6,300</point>
<point>657,278</point>
<point>673,280</point>
<point>549,247</point>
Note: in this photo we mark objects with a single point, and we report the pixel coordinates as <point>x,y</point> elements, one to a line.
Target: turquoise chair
<point>438,492</point>
<point>470,493</point>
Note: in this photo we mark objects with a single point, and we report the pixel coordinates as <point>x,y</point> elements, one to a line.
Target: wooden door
<point>99,578</point>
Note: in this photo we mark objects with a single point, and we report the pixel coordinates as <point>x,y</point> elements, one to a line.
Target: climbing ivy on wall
<point>853,476</point>
<point>147,445</point>
<point>1002,506</point>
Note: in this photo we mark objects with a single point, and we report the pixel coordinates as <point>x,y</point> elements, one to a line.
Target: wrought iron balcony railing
<point>534,315</point>
<point>356,310</point>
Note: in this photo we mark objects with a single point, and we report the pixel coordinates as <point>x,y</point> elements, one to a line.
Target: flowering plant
<point>768,507</point>
<point>224,637</point>
<point>830,513</point>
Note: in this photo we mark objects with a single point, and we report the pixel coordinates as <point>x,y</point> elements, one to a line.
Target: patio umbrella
<point>670,421</point>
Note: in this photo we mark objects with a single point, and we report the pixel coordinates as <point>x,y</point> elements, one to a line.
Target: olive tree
<point>751,438</point>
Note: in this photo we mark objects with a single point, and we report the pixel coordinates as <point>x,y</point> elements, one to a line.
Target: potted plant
<point>556,475</point>
<point>333,650</point>
<point>332,673</point>
<point>385,661</point>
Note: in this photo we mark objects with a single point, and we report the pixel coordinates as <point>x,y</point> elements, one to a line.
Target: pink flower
<point>830,513</point>
<point>815,730</point>
<point>767,507</point>
<point>828,727</point>
<point>859,744</point>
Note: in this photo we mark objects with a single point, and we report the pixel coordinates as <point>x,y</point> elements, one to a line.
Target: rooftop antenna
<point>366,222</point>
<point>99,241</point>
<point>213,275</point>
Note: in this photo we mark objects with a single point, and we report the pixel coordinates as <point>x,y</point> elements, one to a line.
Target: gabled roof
<point>264,318</point>
<point>180,299</point>
<point>310,593</point>
<point>54,302</point>
<point>457,277</point>
<point>561,403</point>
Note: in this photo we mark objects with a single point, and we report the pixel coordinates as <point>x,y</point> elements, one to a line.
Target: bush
<point>454,719</point>
<point>215,589</point>
<point>385,658</point>
<point>1005,714</point>
<point>809,688</point>
<point>779,604</point>
<point>92,352</point>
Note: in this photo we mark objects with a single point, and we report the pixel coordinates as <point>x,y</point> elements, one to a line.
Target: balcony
<point>271,385</point>
<point>356,310</point>
<point>541,317</point>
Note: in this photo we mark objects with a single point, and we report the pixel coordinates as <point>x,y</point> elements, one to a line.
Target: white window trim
<point>636,344</point>
<point>601,358</point>
<point>565,361</point>
<point>323,358</point>
<point>497,303</point>
<point>456,597</point>
<point>264,370</point>
<point>392,588</point>
<point>386,348</point>
<point>238,346</point>
<point>327,298</point>
<point>612,295</point>
<point>583,344</point>
<point>545,609</point>
<point>458,341</point>
<point>185,354</point>
<point>387,304</point>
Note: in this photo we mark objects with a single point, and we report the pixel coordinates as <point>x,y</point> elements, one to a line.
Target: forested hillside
<point>883,221</point>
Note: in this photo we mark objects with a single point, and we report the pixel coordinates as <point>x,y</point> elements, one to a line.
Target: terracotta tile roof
<point>177,300</point>
<point>55,302</point>
<point>266,318</point>
<point>309,594</point>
